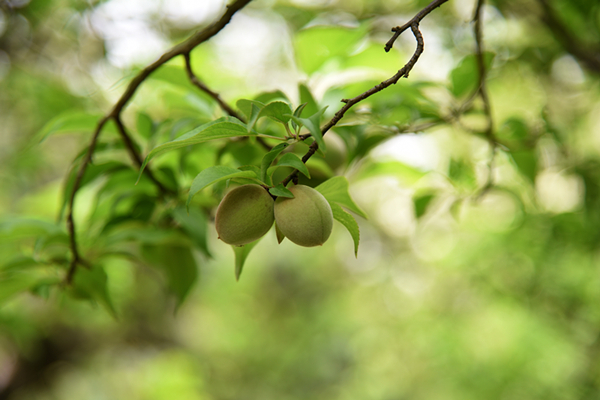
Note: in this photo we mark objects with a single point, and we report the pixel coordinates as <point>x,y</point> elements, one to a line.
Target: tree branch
<point>482,89</point>
<point>76,260</point>
<point>135,155</point>
<point>224,106</point>
<point>182,48</point>
<point>200,85</point>
<point>589,55</point>
<point>415,20</point>
<point>403,72</point>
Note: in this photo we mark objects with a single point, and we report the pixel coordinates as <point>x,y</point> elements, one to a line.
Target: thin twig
<point>78,178</point>
<point>224,106</point>
<point>182,48</point>
<point>415,20</point>
<point>200,85</point>
<point>135,155</point>
<point>403,72</point>
<point>482,90</point>
<point>585,52</point>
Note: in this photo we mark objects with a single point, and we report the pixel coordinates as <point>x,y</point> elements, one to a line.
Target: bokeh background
<point>456,293</point>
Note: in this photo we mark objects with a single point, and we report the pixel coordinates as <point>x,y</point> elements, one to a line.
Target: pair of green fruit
<point>247,212</point>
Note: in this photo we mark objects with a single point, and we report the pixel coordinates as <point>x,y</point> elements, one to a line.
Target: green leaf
<point>241,254</point>
<point>173,74</point>
<point>281,191</point>
<point>349,222</point>
<point>299,109</point>
<point>335,190</point>
<point>527,162</point>
<point>71,122</point>
<point>92,172</point>
<point>313,124</point>
<point>19,227</point>
<point>279,234</point>
<point>91,283</point>
<point>308,103</point>
<point>19,262</point>
<point>194,223</point>
<point>268,159</point>
<point>292,160</point>
<point>221,128</point>
<point>252,109</point>
<point>252,168</point>
<point>177,263</point>
<point>144,125</point>
<point>297,113</point>
<point>213,175</point>
<point>318,44</point>
<point>141,233</point>
<point>421,203</point>
<point>406,174</point>
<point>245,106</point>
<point>278,110</point>
<point>14,283</point>
<point>461,172</point>
<point>465,76</point>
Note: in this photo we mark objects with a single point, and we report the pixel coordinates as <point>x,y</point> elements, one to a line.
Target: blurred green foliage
<point>460,290</point>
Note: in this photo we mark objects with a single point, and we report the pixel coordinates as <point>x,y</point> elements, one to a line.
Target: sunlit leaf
<point>72,122</point>
<point>268,160</point>
<point>278,110</point>
<point>221,128</point>
<point>335,190</point>
<point>465,76</point>
<point>292,160</point>
<point>349,223</point>
<point>308,104</point>
<point>313,124</point>
<point>317,44</point>
<point>404,173</point>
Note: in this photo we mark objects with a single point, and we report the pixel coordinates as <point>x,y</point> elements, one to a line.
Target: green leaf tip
<point>241,254</point>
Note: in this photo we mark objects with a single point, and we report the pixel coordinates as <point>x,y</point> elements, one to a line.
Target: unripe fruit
<point>306,219</point>
<point>336,155</point>
<point>244,215</point>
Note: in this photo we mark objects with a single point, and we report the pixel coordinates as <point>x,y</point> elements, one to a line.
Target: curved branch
<point>403,72</point>
<point>182,48</point>
<point>224,106</point>
<point>482,90</point>
<point>200,85</point>
<point>415,20</point>
<point>589,55</point>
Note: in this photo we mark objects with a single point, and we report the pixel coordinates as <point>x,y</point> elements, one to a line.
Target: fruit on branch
<point>244,215</point>
<point>306,219</point>
<point>336,155</point>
